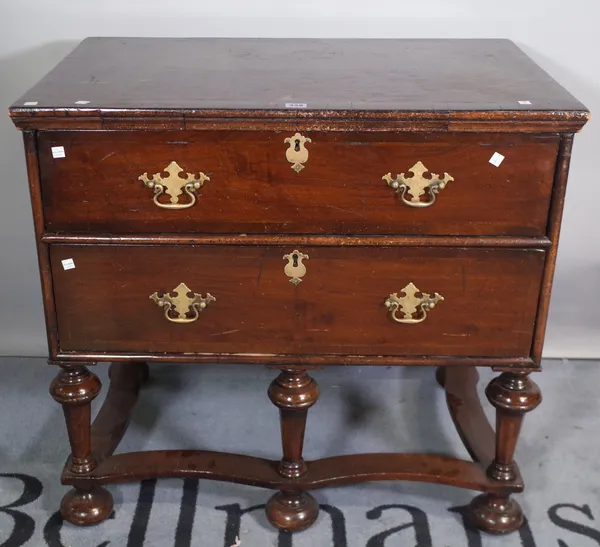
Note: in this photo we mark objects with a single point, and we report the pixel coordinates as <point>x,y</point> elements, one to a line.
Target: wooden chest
<point>297,203</point>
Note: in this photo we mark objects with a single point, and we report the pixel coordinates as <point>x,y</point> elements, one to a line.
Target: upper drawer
<point>338,186</point>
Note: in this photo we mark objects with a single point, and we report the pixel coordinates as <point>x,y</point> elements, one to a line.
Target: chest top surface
<point>298,77</point>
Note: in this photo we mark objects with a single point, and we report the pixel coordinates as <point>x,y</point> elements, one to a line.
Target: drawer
<point>340,189</point>
<point>338,306</point>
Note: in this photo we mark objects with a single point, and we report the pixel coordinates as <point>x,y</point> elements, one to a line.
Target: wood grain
<point>182,80</point>
<point>298,240</point>
<point>37,209</point>
<point>491,299</point>
<point>371,107</point>
<point>500,364</point>
<point>553,230</point>
<point>334,471</point>
<point>253,189</point>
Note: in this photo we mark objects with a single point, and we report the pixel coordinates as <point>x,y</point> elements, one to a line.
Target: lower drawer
<point>341,301</point>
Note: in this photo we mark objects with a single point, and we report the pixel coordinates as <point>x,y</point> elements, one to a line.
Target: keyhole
<point>297,149</point>
<point>295,258</point>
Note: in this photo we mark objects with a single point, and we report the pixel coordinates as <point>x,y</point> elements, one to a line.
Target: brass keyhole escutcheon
<point>297,154</point>
<point>295,268</point>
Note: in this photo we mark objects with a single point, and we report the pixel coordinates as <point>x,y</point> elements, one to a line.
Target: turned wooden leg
<point>75,388</point>
<point>513,395</point>
<point>293,392</point>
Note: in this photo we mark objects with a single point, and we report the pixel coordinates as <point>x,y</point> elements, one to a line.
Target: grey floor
<point>360,410</point>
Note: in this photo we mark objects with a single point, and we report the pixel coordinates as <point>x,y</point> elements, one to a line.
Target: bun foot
<point>86,506</point>
<point>496,514</point>
<point>292,511</point>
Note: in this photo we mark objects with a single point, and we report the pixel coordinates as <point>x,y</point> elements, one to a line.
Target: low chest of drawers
<point>297,204</point>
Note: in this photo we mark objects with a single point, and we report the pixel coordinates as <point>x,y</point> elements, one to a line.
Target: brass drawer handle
<point>410,304</point>
<point>174,186</point>
<point>297,154</point>
<point>417,185</point>
<point>177,307</point>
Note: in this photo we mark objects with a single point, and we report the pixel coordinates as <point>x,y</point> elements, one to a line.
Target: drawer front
<point>337,186</point>
<point>337,304</point>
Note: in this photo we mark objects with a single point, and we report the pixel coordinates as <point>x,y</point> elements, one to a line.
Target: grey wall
<point>560,36</point>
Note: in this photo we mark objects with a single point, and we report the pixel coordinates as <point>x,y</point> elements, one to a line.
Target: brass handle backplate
<point>414,309</point>
<point>295,268</point>
<point>174,186</point>
<point>417,185</point>
<point>297,154</point>
<point>178,308</point>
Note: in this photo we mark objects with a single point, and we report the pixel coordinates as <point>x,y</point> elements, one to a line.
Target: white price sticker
<point>296,105</point>
<point>524,102</point>
<point>82,102</point>
<point>496,159</point>
<point>58,152</point>
<point>68,264</point>
<point>30,103</point>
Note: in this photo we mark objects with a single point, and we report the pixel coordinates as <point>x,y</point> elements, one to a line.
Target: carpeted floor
<point>360,410</point>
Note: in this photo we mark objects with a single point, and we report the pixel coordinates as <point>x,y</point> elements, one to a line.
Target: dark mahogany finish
<point>513,395</point>
<point>293,392</point>
<point>340,191</point>
<point>369,107</point>
<point>491,298</point>
<point>75,388</point>
<point>208,84</point>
